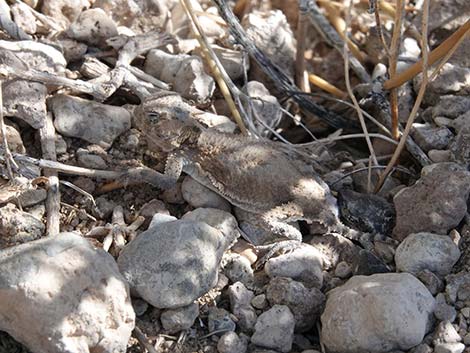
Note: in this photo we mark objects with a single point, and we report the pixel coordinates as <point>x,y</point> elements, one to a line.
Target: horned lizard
<point>254,175</point>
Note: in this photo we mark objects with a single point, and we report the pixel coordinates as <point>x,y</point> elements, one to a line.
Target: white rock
<point>220,319</point>
<point>427,251</point>
<point>446,333</point>
<point>184,72</point>
<point>304,264</point>
<point>93,26</point>
<point>175,320</point>
<point>379,313</point>
<point>449,348</point>
<point>91,121</point>
<point>199,196</point>
<point>275,329</point>
<point>220,220</point>
<point>230,342</point>
<point>173,263</point>
<point>231,60</point>
<point>60,295</point>
<point>238,268</point>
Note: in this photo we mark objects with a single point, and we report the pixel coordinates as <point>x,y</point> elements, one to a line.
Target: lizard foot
<point>284,247</point>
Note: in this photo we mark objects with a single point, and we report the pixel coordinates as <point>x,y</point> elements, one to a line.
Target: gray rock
<point>446,333</point>
<point>429,137</point>
<point>92,161</point>
<point>457,286</point>
<point>173,263</point>
<point>449,348</point>
<point>377,313</point>
<point>275,329</point>
<point>15,143</point>
<point>427,251</point>
<point>64,10</point>
<point>343,270</point>
<point>462,121</point>
<point>432,282</point>
<point>452,79</point>
<point>421,348</point>
<point>91,121</point>
<point>64,289</point>
<point>25,100</point>
<point>304,264</point>
<point>230,342</point>
<point>265,107</point>
<point>272,34</point>
<point>175,320</point>
<point>451,106</point>
<point>32,197</point>
<point>439,156</point>
<point>238,269</point>
<point>184,72</point>
<point>17,226</point>
<point>436,203</point>
<point>232,60</point>
<point>220,320</point>
<point>219,219</point>
<point>444,311</point>
<point>93,26</point>
<point>240,304</point>
<point>198,196</point>
<point>160,218</point>
<point>305,304</point>
<point>259,302</point>
<point>460,147</point>
<point>367,263</point>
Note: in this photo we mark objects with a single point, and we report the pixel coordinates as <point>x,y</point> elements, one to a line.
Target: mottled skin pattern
<point>252,174</point>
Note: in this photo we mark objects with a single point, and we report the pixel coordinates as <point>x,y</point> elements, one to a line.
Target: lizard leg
<point>150,176</point>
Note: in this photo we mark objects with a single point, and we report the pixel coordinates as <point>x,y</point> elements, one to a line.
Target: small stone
<point>451,106</point>
<point>444,311</point>
<point>465,312</point>
<point>93,26</point>
<point>366,263</point>
<point>446,333</point>
<point>175,320</point>
<point>184,72</point>
<point>449,348</point>
<point>459,149</point>
<point>379,313</point>
<point>343,270</point>
<point>220,320</point>
<point>432,282</point>
<point>385,251</point>
<point>238,269</point>
<point>173,263</point>
<point>436,203</point>
<point>91,121</point>
<point>427,251</point>
<point>466,339</point>
<point>440,156</point>
<point>198,196</point>
<point>266,108</point>
<point>230,342</point>
<point>431,138</point>
<point>259,302</point>
<point>368,213</point>
<point>421,348</point>
<point>64,10</point>
<point>305,304</point>
<point>304,264</point>
<point>240,304</point>
<point>25,100</point>
<point>92,161</point>
<point>15,143</point>
<point>17,226</point>
<point>275,329</point>
<point>140,306</point>
<point>245,249</point>
<point>149,209</point>
<point>32,197</point>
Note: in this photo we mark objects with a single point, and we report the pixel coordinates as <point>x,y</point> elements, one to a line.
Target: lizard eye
<point>153,117</point>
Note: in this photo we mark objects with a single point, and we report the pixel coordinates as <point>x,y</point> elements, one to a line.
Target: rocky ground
<point>93,265</point>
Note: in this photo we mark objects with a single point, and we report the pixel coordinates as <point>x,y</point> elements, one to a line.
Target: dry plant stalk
<point>326,86</point>
<point>301,74</point>
<point>392,63</point>
<point>434,56</point>
<point>349,88</point>
<point>213,64</point>
<point>419,99</point>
